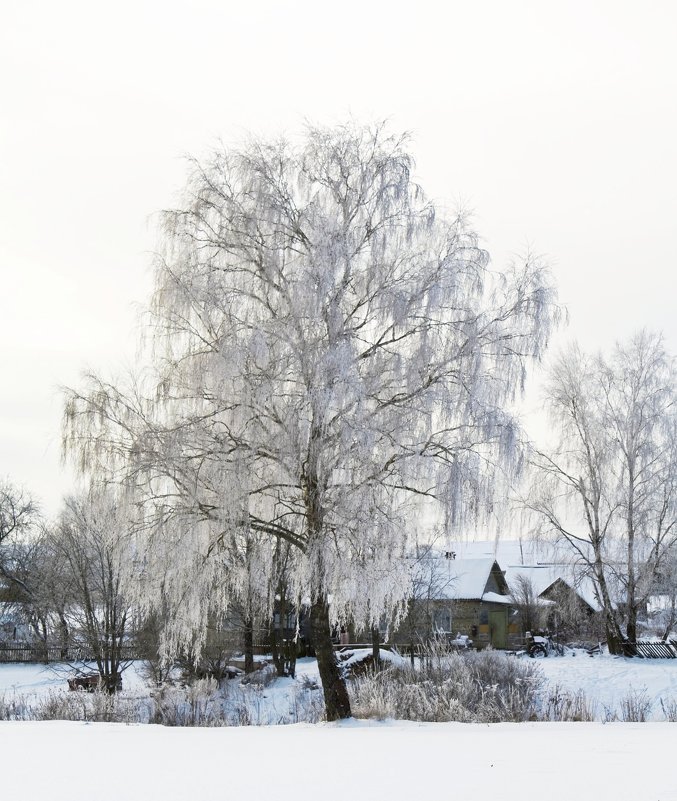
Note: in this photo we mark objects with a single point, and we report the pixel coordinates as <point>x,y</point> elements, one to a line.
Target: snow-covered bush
<point>484,686</point>
<point>197,705</point>
<point>13,707</point>
<point>307,705</point>
<point>97,707</point>
<point>203,703</point>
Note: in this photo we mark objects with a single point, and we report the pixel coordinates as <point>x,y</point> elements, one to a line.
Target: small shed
<point>569,604</point>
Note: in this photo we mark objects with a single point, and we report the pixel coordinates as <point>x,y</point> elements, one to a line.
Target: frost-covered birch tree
<point>615,463</point>
<point>92,543</point>
<point>19,513</point>
<point>20,553</point>
<point>332,353</point>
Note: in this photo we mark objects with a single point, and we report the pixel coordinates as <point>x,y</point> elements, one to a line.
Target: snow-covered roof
<point>465,576</point>
<point>543,562</point>
<point>544,576</point>
<point>495,598</point>
<point>461,579</point>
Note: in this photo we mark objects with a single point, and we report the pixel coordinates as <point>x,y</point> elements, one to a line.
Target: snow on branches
<point>331,354</point>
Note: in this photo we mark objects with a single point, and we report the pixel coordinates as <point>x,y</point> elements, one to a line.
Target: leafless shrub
<point>199,704</point>
<point>307,705</point>
<point>203,703</point>
<point>309,683</point>
<point>213,663</point>
<point>669,707</point>
<point>562,705</point>
<point>155,672</point>
<point>636,706</point>
<point>97,707</point>
<point>14,708</point>
<point>242,711</point>
<point>61,706</point>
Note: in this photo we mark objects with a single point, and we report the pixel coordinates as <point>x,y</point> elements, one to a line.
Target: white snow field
<point>357,760</point>
<point>607,680</point>
<point>378,761</point>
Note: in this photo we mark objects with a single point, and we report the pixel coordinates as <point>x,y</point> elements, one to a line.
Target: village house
<point>494,592</point>
<point>467,597</point>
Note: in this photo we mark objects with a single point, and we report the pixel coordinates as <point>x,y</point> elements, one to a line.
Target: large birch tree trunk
<point>336,698</point>
<point>248,645</point>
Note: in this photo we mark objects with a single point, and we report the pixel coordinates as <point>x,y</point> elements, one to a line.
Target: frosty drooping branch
<point>331,353</point>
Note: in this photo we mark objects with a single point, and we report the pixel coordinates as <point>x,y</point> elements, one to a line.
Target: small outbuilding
<point>556,599</point>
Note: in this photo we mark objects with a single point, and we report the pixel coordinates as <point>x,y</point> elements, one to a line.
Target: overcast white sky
<point>556,122</point>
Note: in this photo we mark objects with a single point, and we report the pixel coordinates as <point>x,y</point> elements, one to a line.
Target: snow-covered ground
<point>607,680</point>
<point>37,680</point>
<point>604,680</point>
<point>555,761</point>
<point>359,759</point>
<point>267,700</point>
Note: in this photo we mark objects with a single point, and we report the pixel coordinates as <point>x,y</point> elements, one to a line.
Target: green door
<point>498,628</point>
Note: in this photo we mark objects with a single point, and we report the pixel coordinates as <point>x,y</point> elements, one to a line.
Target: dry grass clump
<point>562,705</point>
<point>636,707</point>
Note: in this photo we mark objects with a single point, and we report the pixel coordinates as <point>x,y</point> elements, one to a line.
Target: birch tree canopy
<point>331,352</point>
<point>615,462</point>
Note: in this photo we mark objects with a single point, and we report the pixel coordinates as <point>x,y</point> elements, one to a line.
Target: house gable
<point>468,579</point>
<point>560,589</point>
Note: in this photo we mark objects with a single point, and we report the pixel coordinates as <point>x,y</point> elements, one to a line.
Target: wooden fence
<point>55,653</point>
<point>10,652</point>
<point>645,649</point>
